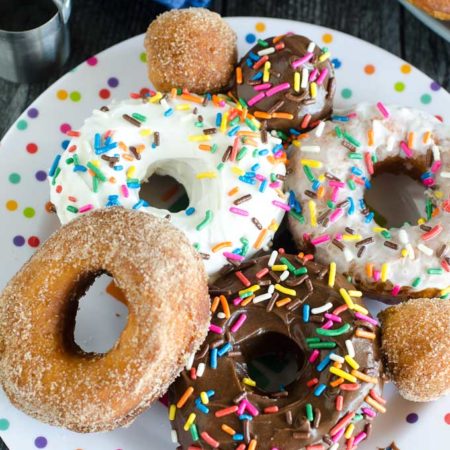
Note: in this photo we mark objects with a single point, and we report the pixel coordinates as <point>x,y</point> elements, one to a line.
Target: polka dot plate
<point>364,72</point>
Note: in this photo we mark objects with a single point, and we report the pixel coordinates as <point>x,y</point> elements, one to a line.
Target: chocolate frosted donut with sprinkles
<point>232,172</point>
<point>334,172</point>
<point>287,81</point>
<point>291,362</point>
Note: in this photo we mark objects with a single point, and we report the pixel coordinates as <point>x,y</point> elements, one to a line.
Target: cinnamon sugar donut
<point>47,375</point>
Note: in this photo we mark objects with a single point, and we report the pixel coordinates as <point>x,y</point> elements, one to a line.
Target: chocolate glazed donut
<point>295,319</point>
<point>301,105</point>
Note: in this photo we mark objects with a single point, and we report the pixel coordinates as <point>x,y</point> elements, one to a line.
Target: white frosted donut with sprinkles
<point>231,170</point>
<point>332,169</point>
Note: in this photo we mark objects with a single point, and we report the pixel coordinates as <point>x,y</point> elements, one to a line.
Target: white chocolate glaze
<point>207,180</point>
<point>416,257</point>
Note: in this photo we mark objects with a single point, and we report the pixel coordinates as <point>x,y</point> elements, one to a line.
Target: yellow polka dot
<point>260,27</point>
<point>62,94</point>
<point>327,38</point>
<point>405,68</point>
<point>11,205</point>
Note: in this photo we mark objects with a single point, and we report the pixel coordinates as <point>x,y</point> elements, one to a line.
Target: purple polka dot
<point>65,144</point>
<point>435,86</point>
<point>412,418</point>
<point>113,82</point>
<point>92,61</point>
<point>41,175</point>
<point>33,113</point>
<point>18,241</point>
<point>40,442</point>
<point>65,127</point>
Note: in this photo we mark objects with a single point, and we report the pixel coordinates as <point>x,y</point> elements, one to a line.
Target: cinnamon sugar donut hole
<point>416,347</point>
<point>47,375</point>
<point>191,48</point>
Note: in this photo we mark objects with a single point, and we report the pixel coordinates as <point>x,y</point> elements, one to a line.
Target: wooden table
<point>98,24</point>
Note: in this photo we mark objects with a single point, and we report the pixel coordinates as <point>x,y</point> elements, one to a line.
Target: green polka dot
<point>22,125</point>
<point>4,424</point>
<point>29,212</point>
<point>399,86</point>
<point>425,99</point>
<point>75,96</point>
<point>346,93</point>
<point>143,57</point>
<point>14,178</point>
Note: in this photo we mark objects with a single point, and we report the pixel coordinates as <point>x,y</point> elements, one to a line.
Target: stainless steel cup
<point>34,54</point>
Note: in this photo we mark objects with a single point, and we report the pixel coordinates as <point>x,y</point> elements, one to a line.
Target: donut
<point>42,369</point>
<point>288,81</point>
<point>190,48</point>
<point>233,173</point>
<point>291,361</point>
<point>333,172</point>
<point>415,345</point>
<point>440,9</point>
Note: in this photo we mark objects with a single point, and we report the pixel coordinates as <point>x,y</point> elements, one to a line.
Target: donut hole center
<point>397,195</point>
<point>100,317</point>
<point>164,192</point>
<point>273,361</point>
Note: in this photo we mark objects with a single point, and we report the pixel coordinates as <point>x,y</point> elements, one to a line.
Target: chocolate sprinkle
<point>131,120</point>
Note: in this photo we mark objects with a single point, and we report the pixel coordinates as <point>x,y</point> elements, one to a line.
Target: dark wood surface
<point>98,24</point>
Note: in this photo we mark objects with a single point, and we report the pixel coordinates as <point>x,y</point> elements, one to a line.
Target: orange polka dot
<point>369,69</point>
<point>62,94</point>
<point>260,27</point>
<point>327,38</point>
<point>11,205</point>
<point>405,68</point>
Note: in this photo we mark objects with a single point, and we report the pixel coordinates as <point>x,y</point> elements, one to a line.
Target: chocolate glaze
<point>282,327</point>
<point>296,103</point>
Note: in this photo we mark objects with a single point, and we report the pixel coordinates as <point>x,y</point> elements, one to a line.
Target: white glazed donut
<point>233,179</point>
<point>331,170</point>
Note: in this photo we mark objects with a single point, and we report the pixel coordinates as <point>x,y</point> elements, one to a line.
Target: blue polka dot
<point>250,38</point>
<point>65,144</point>
<point>336,63</point>
<point>19,241</point>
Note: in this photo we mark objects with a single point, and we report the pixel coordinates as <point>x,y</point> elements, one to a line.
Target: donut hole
<point>273,361</point>
<point>97,319</point>
<point>397,196</point>
<point>164,192</point>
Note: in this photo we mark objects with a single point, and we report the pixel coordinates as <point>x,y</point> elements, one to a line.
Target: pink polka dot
<point>65,127</point>
<point>104,93</point>
<point>92,61</point>
<point>32,148</point>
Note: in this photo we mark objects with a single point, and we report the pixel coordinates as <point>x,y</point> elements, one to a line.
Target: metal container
<point>35,54</point>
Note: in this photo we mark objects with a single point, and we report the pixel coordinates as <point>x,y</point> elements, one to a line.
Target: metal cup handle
<point>64,9</point>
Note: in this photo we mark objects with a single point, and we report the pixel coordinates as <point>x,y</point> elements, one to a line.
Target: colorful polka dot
<point>143,57</point>
<point>41,175</point>
<point>447,418</point>
<point>435,86</point>
<point>425,99</point>
<point>412,418</point>
<point>33,241</point>
<point>14,178</point>
<point>64,128</point>
<point>29,212</point>
<point>32,148</point>
<point>346,93</point>
<point>32,113</point>
<point>4,424</point>
<point>11,205</point>
<point>104,93</point>
<point>327,38</point>
<point>22,125</point>
<point>405,68</point>
<point>337,63</point>
<point>92,61</point>
<point>18,241</point>
<point>250,38</point>
<point>75,96</point>
<point>399,86</point>
<point>40,442</point>
<point>260,27</point>
<point>369,69</point>
<point>113,82</point>
<point>62,94</point>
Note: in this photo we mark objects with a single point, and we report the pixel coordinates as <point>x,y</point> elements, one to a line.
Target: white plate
<point>364,72</point>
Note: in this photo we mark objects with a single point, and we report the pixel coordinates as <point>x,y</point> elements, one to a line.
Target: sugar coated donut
<point>288,81</point>
<point>47,375</point>
<point>416,347</point>
<point>291,361</point>
<point>233,173</point>
<point>190,48</point>
<point>332,172</point>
